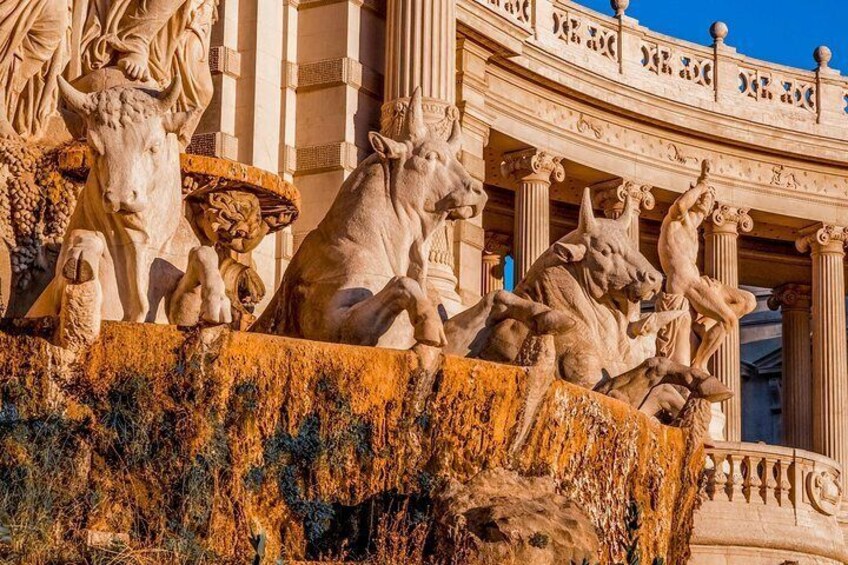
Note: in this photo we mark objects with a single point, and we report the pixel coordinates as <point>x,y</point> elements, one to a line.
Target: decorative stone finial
<point>620,6</point>
<point>719,31</point>
<point>823,55</point>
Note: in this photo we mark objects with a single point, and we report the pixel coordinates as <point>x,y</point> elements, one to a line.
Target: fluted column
<point>612,196</point>
<point>421,52</point>
<point>794,301</point>
<point>534,170</point>
<point>826,244</point>
<point>721,261</point>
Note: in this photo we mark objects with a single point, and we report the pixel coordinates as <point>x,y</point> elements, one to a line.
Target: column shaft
<point>797,361</point>
<point>532,224</point>
<point>493,276</point>
<point>830,361</point>
<point>830,369</point>
<point>721,262</point>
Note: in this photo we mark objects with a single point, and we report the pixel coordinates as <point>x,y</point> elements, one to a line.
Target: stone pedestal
<point>533,170</point>
<point>421,53</point>
<point>721,261</point>
<point>826,244</point>
<point>794,301</point>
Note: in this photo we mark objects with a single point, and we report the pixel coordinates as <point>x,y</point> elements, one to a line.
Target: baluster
<point>735,478</point>
<point>755,481</point>
<point>783,484</point>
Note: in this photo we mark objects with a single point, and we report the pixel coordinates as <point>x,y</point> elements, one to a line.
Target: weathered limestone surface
<point>211,435</point>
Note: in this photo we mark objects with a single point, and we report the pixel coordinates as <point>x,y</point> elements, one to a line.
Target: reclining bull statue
<point>590,275</point>
<point>361,276</point>
<point>154,269</point>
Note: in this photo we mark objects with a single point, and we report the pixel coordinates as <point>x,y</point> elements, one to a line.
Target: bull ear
<point>587,215</point>
<point>455,139</point>
<point>77,101</point>
<point>415,124</point>
<point>386,147</point>
<point>175,122</point>
<point>569,252</point>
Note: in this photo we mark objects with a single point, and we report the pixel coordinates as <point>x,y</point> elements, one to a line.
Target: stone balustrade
<point>688,73</point>
<point>768,504</point>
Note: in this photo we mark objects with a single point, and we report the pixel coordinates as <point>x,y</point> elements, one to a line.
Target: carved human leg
<point>367,321</point>
<point>468,332</point>
<point>724,306</point>
<point>200,295</point>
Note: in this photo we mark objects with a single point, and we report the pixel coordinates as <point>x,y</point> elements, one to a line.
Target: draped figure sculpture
<point>150,41</point>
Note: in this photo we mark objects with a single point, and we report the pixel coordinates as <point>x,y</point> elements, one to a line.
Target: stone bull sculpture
<point>154,268</point>
<point>361,276</point>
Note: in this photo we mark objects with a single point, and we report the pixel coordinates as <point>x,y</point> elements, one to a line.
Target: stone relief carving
<point>676,154</point>
<point>783,178</point>
<point>153,269</point>
<point>825,492</point>
<point>719,307</point>
<point>588,126</point>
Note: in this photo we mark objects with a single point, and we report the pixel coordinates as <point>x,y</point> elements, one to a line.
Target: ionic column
<point>534,170</point>
<point>612,196</point>
<point>721,261</point>
<point>830,367</point>
<point>495,250</point>
<point>421,52</point>
<point>794,301</point>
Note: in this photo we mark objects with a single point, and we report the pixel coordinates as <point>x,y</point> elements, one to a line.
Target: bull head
<point>128,130</point>
<point>605,258</point>
<point>423,171</point>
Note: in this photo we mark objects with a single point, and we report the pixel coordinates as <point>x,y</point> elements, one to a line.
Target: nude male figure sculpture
<point>719,306</point>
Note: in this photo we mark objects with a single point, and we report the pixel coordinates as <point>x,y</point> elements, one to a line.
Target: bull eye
<point>431,156</point>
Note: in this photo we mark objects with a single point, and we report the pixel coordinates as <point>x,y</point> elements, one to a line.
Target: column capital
<point>496,243</point>
<point>729,219</point>
<point>791,296</point>
<point>611,197</point>
<point>533,164</point>
<point>822,238</point>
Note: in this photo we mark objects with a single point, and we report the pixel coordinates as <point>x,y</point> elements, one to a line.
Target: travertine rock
<point>512,519</point>
<point>194,441</point>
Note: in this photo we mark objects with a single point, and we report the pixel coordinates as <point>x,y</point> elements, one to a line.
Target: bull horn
<point>628,212</point>
<point>77,101</point>
<point>415,124</point>
<point>168,97</point>
<point>587,215</point>
<point>455,139</point>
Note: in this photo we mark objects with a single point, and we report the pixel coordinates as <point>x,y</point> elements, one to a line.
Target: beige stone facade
<point>553,98</point>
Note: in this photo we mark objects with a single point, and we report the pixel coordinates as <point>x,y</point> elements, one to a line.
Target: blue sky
<point>782,31</point>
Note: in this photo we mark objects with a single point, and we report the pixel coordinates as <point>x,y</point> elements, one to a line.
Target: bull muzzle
<point>469,203</point>
<point>650,284</point>
<point>123,202</point>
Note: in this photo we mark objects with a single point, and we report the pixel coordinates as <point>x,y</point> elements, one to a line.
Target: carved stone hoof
<point>78,270</point>
<point>714,390</point>
<point>431,332</point>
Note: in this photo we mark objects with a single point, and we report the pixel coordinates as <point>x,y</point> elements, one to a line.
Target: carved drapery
<point>533,170</point>
<point>721,261</point>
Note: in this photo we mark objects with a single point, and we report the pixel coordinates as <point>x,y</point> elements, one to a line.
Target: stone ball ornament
<point>719,31</point>
<point>823,55</point>
<point>620,6</point>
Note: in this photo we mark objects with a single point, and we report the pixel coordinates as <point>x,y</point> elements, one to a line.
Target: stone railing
<point>619,48</point>
<point>796,493</point>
